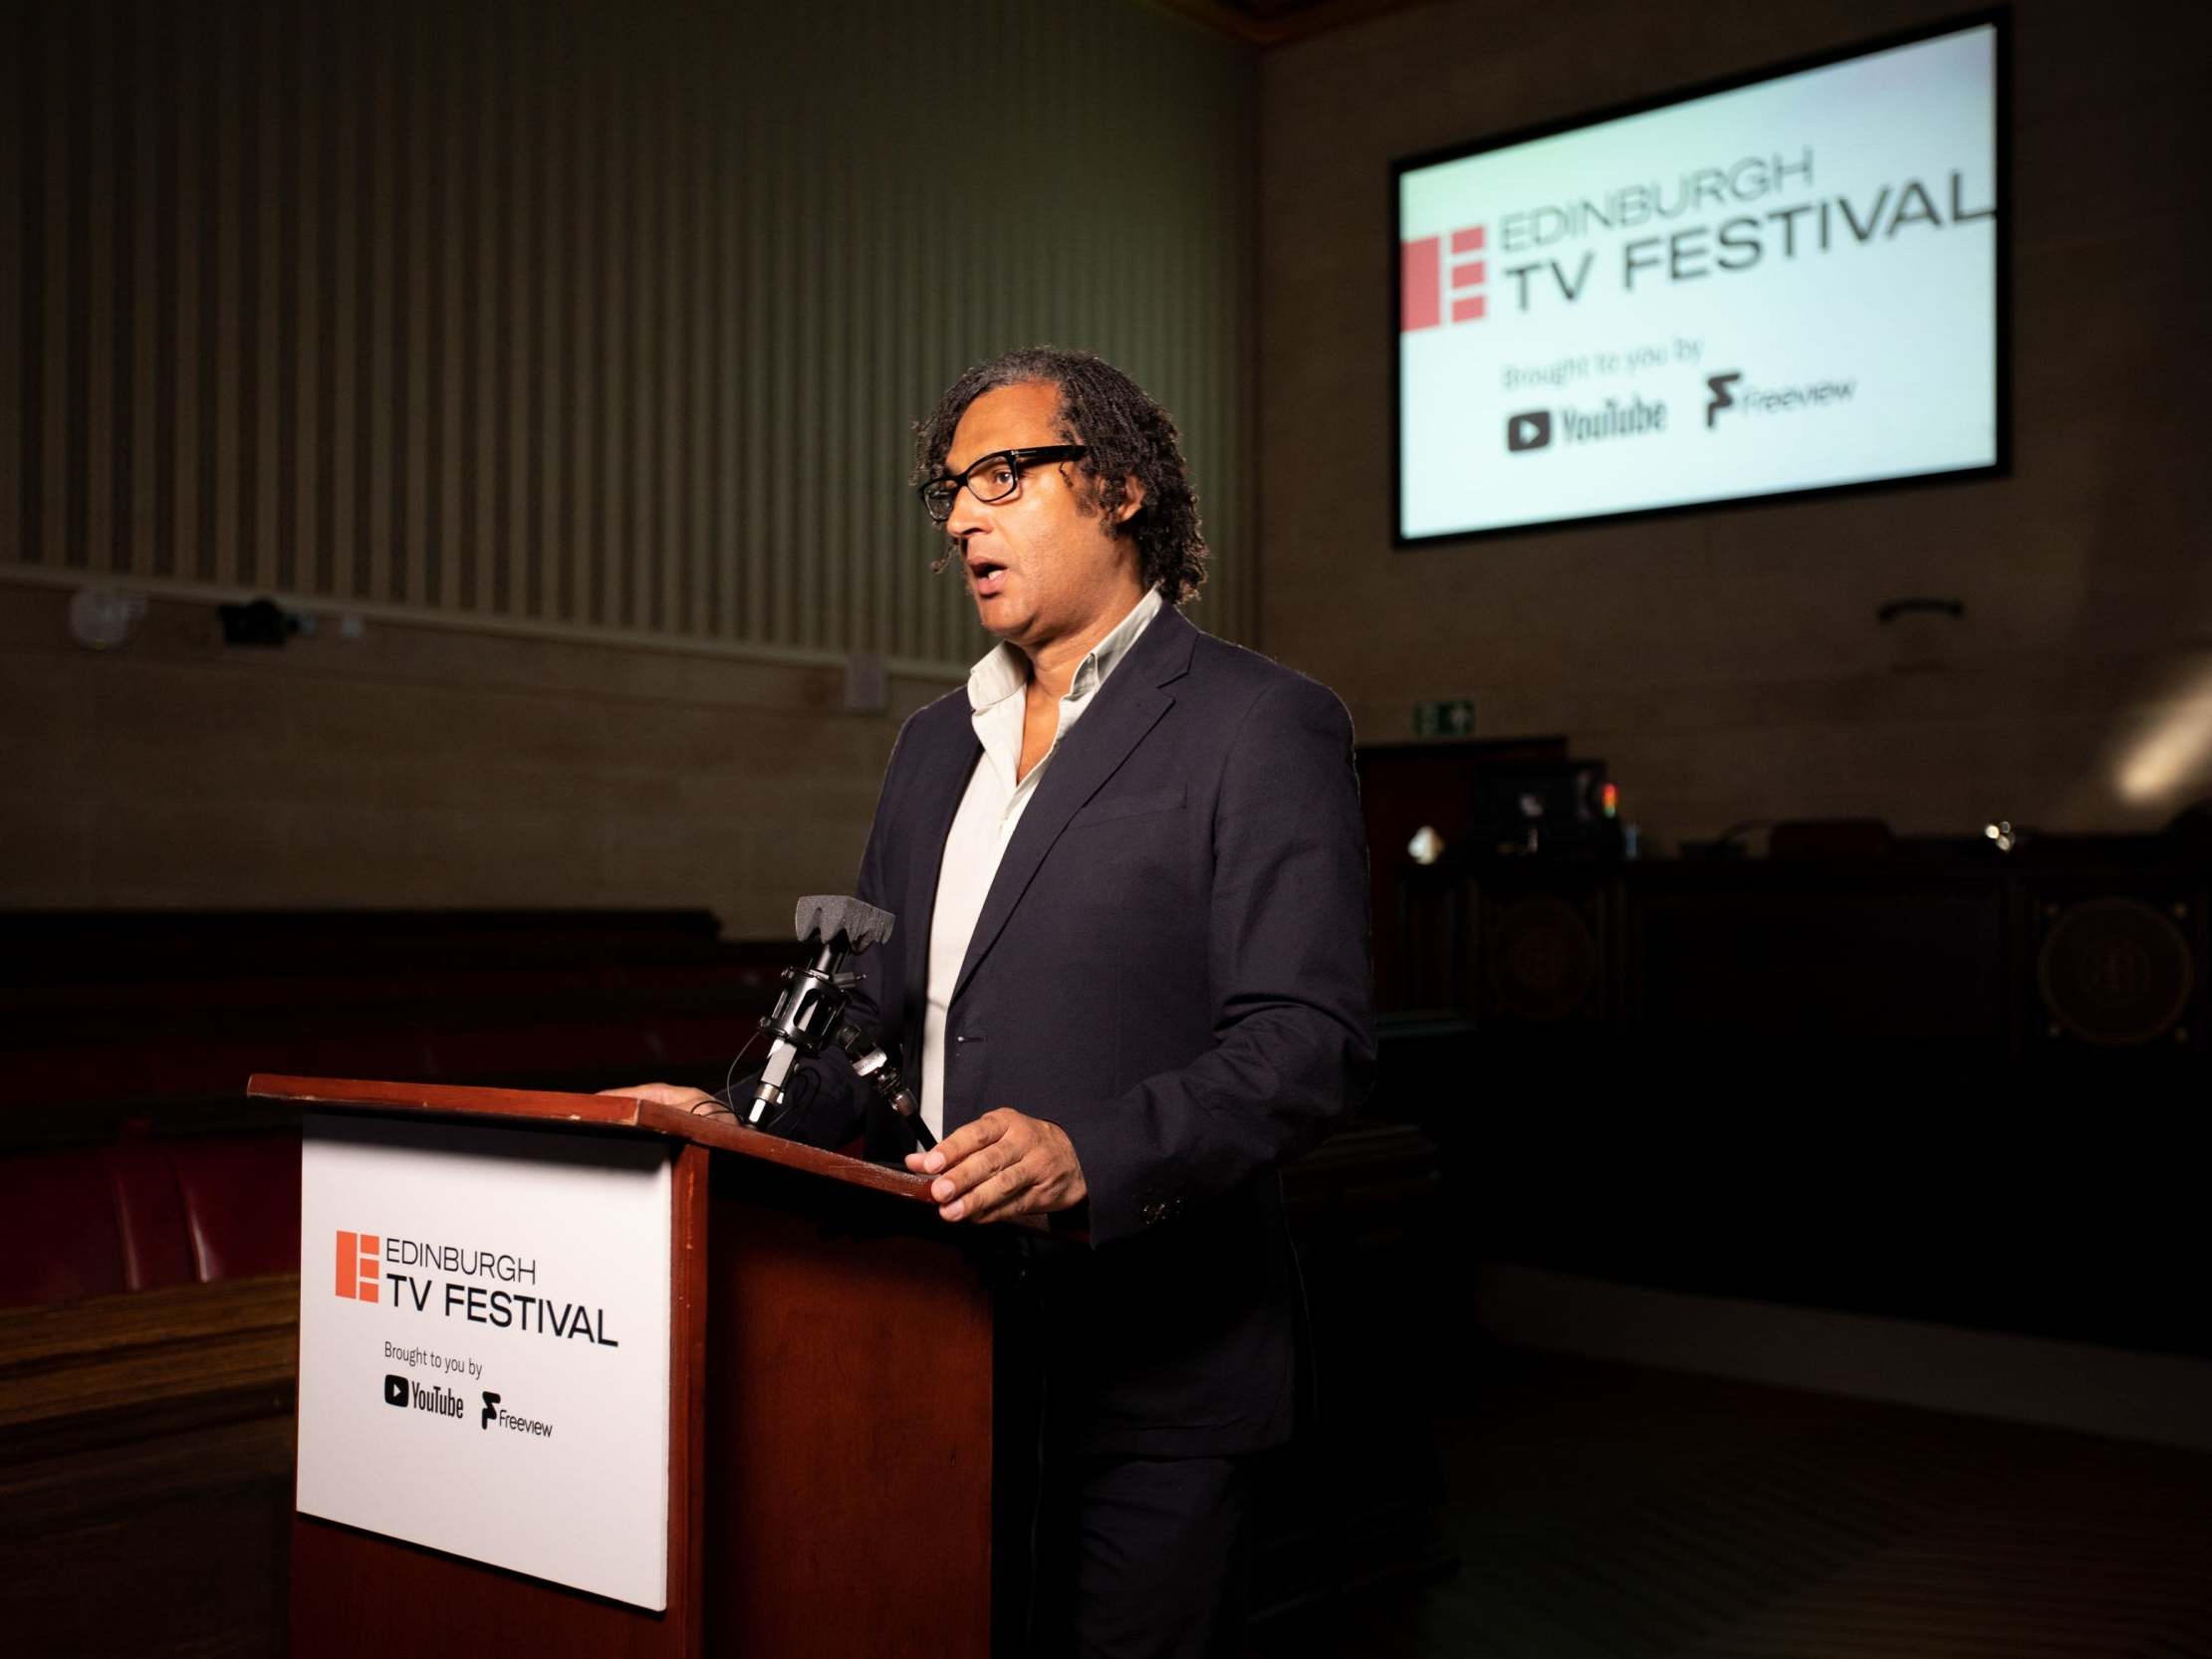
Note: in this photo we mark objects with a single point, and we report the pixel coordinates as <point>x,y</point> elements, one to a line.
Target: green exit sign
<point>1455,718</point>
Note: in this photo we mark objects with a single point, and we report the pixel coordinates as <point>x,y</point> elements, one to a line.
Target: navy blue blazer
<point>1171,963</point>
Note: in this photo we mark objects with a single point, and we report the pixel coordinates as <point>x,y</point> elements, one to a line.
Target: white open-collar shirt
<point>989,811</point>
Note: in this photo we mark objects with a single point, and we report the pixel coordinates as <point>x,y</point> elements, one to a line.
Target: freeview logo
<point>360,1272</point>
<point>1421,280</point>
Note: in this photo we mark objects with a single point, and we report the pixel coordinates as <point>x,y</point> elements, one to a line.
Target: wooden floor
<point>1595,1511</point>
<point>1601,1512</point>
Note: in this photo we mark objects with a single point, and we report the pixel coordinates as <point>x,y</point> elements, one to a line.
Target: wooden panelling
<point>128,1368</point>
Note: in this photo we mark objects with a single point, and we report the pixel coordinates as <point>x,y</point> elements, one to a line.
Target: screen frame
<point>1996,18</point>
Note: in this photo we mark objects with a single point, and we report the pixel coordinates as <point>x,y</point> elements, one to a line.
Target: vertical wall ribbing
<point>16,71</point>
<point>569,314</point>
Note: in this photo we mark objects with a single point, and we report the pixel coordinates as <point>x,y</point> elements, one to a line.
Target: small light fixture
<point>2002,834</point>
<point>1426,846</point>
<point>105,618</point>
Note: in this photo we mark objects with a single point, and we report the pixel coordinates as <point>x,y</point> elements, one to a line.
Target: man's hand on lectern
<point>1004,1164</point>
<point>670,1094</point>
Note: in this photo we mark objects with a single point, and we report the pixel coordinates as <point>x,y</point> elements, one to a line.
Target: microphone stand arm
<point>870,1062</point>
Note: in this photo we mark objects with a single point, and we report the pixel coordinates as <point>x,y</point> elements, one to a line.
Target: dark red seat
<point>58,1235</point>
<point>156,1019</point>
<point>517,1051</point>
<point>702,1040</point>
<point>140,1213</point>
<point>150,1212</point>
<point>241,1203</point>
<point>91,1221</point>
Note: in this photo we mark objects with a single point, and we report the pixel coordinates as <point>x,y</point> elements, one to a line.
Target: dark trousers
<point>1140,1558</point>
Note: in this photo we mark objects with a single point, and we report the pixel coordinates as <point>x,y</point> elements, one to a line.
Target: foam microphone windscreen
<point>826,915</point>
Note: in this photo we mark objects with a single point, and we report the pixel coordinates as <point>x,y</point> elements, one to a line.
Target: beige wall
<point>572,345</point>
<point>421,766</point>
<point>1729,664</point>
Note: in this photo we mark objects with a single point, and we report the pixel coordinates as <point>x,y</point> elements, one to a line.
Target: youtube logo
<point>395,1390</point>
<point>1531,429</point>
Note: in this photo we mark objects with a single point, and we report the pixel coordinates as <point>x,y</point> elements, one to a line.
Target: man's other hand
<point>1004,1164</point>
<point>694,1100</point>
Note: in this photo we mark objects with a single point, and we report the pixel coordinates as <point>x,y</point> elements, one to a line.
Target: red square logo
<point>359,1272</point>
<point>1424,276</point>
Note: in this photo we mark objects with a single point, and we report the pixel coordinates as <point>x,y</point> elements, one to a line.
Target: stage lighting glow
<point>2177,750</point>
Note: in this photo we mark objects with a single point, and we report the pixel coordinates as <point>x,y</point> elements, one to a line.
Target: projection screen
<point>1791,283</point>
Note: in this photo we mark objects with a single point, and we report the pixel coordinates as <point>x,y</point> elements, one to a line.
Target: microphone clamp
<point>810,1012</point>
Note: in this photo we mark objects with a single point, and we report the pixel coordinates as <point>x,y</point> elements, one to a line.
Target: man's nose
<point>966,516</point>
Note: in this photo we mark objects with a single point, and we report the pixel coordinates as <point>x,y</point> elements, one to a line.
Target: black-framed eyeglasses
<point>994,478</point>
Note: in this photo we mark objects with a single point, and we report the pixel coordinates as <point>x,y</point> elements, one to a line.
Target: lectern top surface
<point>587,1111</point>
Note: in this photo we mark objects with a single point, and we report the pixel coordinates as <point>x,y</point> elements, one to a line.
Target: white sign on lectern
<point>484,1345</point>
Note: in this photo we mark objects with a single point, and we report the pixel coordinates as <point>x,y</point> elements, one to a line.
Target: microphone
<point>811,1010</point>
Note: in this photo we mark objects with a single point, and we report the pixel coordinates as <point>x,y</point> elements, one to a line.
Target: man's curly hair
<point>1124,434</point>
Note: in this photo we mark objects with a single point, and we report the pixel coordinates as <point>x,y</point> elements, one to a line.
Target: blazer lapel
<point>951,761</point>
<point>1125,708</point>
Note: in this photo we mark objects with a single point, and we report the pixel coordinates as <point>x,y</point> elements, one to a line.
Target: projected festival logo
<point>1786,284</point>
<point>1736,244</point>
<point>1421,274</point>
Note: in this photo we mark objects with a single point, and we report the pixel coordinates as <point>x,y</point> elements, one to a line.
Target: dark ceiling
<point>1273,21</point>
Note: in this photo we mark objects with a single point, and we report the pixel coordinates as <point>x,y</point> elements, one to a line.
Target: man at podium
<point>1130,864</point>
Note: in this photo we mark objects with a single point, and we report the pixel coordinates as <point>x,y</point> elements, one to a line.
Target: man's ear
<point>1132,499</point>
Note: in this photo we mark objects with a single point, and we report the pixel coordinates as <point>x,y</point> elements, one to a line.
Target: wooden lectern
<point>831,1417</point>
